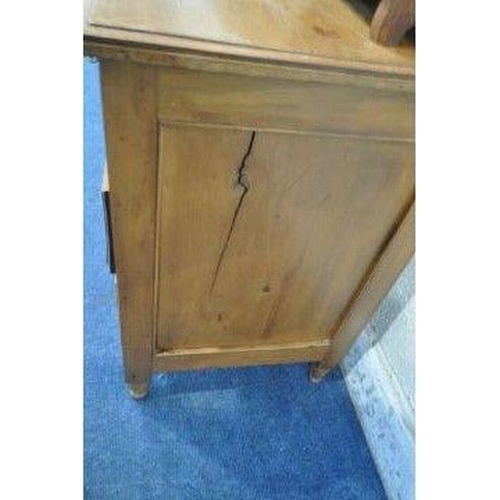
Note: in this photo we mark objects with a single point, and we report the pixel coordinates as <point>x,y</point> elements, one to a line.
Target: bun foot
<point>138,391</point>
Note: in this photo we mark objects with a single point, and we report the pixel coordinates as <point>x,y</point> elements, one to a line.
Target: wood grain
<point>392,19</point>
<point>271,104</point>
<point>261,167</point>
<point>129,100</point>
<point>265,236</point>
<point>301,32</point>
<point>216,63</point>
<point>187,359</point>
<point>373,288</point>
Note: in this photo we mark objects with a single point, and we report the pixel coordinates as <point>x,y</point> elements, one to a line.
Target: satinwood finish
<point>261,178</point>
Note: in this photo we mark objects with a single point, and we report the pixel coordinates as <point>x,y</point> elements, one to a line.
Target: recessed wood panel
<point>264,237</point>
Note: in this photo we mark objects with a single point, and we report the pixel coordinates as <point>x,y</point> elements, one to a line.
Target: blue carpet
<point>249,433</point>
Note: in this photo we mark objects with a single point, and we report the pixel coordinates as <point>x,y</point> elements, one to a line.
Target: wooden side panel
<point>266,103</point>
<point>374,287</point>
<point>129,98</point>
<point>264,237</point>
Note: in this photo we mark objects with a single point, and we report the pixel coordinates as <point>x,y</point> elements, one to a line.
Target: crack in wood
<point>243,183</point>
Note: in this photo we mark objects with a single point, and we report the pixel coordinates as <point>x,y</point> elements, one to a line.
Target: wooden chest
<point>261,173</point>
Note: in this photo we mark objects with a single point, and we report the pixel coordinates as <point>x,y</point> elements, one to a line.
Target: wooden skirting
<point>187,359</point>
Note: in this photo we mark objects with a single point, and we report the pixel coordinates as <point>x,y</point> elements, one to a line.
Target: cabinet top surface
<point>323,33</point>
